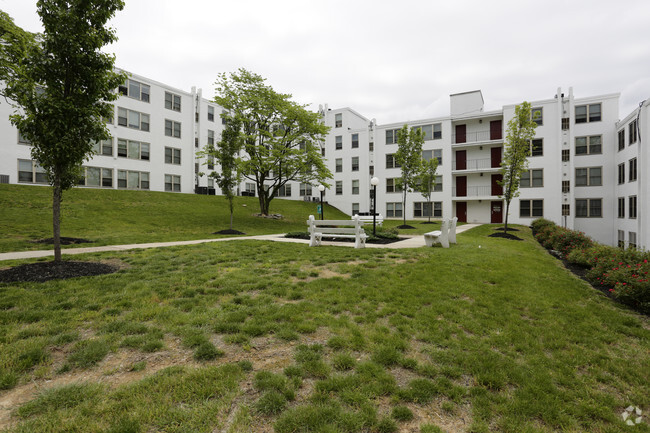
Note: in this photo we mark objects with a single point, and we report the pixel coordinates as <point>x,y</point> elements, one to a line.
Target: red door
<point>496,188</point>
<point>461,133</point>
<point>495,156</point>
<point>461,211</point>
<point>495,130</point>
<point>461,160</point>
<point>496,216</point>
<point>461,186</point>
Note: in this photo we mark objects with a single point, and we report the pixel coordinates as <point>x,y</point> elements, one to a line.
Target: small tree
<point>226,155</point>
<point>64,88</point>
<point>521,130</point>
<point>426,181</point>
<point>409,158</point>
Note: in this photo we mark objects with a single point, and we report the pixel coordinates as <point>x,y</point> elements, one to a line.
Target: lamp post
<point>374,182</point>
<point>321,188</point>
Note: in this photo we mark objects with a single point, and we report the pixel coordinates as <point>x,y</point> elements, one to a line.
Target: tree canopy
<point>281,139</point>
<point>426,181</point>
<point>409,158</point>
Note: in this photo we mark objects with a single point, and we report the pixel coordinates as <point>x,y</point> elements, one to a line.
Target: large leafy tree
<point>426,181</point>
<point>16,46</point>
<point>63,88</point>
<point>281,139</point>
<point>409,158</point>
<point>521,130</point>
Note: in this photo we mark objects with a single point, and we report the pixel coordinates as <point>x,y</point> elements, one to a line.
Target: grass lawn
<point>259,336</point>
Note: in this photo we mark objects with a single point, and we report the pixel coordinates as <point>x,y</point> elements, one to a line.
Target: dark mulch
<point>229,232</point>
<point>64,241</point>
<point>406,226</point>
<point>44,271</point>
<point>509,229</point>
<point>377,240</point>
<point>428,222</point>
<point>506,236</point>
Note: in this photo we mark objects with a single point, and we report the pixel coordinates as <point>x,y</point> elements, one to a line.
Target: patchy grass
<point>462,339</point>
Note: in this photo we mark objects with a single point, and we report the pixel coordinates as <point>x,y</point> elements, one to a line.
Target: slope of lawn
<point>258,336</point>
<point>110,217</point>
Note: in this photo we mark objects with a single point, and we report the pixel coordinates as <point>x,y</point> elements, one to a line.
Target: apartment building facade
<point>585,168</point>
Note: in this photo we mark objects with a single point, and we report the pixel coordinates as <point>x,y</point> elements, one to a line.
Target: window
<point>394,210</point>
<point>371,146</point>
<point>223,117</point>
<point>31,172</point>
<point>531,208</point>
<point>390,161</point>
<point>355,208</point>
<point>339,165</point>
<point>621,239</point>
<point>435,153</point>
<point>355,187</point>
<point>322,151</point>
<point>566,210</point>
<point>588,145</point>
<point>632,206</point>
<point>438,185</point>
<point>391,185</point>
<point>172,156</point>
<point>250,189</point>
<point>621,207</point>
<point>132,179</point>
<point>589,208</point>
<point>134,89</point>
<point>355,141</point>
<point>371,170</point>
<point>633,132</point>
<point>632,169</point>
<point>621,139</point>
<point>427,209</point>
<point>104,147</point>
<point>210,182</point>
<point>23,140</point>
<point>172,183</point>
<point>430,132</point>
<point>338,120</point>
<point>565,124</point>
<point>537,147</point>
<point>172,102</point>
<point>589,176</point>
<point>631,243</point>
<point>355,163</point>
<point>96,177</point>
<point>210,137</point>
<point>285,190</point>
<point>132,149</point>
<point>211,162</point>
<point>196,168</point>
<point>339,187</point>
<point>588,113</point>
<point>132,119</point>
<point>172,129</point>
<point>532,178</point>
<point>305,189</point>
<point>566,186</point>
<point>621,173</point>
<point>210,113</point>
<point>339,142</point>
<point>566,155</point>
<point>537,116</point>
<point>391,136</point>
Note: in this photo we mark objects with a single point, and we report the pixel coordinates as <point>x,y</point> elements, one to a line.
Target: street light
<point>321,188</point>
<point>374,182</point>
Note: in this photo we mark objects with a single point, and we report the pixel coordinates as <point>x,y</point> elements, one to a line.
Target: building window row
<point>136,90</point>
<point>172,101</point>
<point>531,208</point>
<point>132,149</point>
<point>588,113</point>
<point>589,145</point>
<point>632,207</point>
<point>132,119</point>
<point>589,176</point>
<point>427,209</point>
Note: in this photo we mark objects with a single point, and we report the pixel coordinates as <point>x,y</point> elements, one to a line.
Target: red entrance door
<point>495,130</point>
<point>496,188</point>
<point>461,160</point>
<point>496,213</point>
<point>461,186</point>
<point>461,211</point>
<point>461,133</point>
<point>495,157</point>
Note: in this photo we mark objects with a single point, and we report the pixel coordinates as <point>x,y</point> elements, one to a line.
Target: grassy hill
<point>110,217</point>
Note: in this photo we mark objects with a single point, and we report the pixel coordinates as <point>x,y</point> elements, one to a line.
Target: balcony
<point>484,164</point>
<point>477,192</point>
<point>476,137</point>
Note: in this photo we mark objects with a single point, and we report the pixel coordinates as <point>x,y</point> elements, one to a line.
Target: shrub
<point>564,240</point>
<point>541,223</point>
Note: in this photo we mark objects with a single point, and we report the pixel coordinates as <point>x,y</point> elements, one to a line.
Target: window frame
<point>142,154</point>
<point>528,208</point>
<point>393,134</point>
<point>338,165</point>
<point>338,120</point>
<point>633,175</point>
<point>172,128</point>
<point>392,210</point>
<point>621,139</point>
<point>540,110</point>
<point>588,176</point>
<point>338,187</point>
<point>589,147</point>
<point>620,207</point>
<point>588,113</point>
<point>355,163</point>
<point>632,206</point>
<point>141,181</point>
<point>35,172</point>
<point>142,124</point>
<point>173,101</point>
<point>537,149</point>
<point>174,183</point>
<point>391,162</point>
<point>391,185</point>
<point>355,186</point>
<point>174,156</point>
<point>621,173</point>
<point>531,177</point>
<point>588,207</point>
<point>125,90</point>
<point>355,140</point>
<point>338,142</point>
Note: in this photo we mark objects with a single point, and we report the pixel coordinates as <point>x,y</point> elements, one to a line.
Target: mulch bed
<point>505,236</point>
<point>64,241</point>
<point>428,222</point>
<point>407,227</point>
<point>509,229</point>
<point>228,232</point>
<point>44,271</point>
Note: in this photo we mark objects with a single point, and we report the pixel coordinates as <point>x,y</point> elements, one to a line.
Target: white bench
<point>438,236</point>
<point>319,229</point>
<point>367,219</point>
<point>452,230</point>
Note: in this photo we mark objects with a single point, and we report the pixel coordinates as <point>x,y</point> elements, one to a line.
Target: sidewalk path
<point>414,241</point>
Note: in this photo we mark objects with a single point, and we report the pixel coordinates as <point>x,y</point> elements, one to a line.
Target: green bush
<point>541,223</point>
<point>565,241</point>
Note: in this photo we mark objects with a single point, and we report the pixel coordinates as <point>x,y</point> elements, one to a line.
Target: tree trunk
<point>404,205</point>
<point>505,227</point>
<point>56,218</point>
<point>431,203</point>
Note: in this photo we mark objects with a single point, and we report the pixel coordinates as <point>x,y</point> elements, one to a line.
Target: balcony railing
<point>476,164</point>
<point>477,191</point>
<point>475,137</point>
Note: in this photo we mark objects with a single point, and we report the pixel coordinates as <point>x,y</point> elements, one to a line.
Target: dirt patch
<point>44,271</point>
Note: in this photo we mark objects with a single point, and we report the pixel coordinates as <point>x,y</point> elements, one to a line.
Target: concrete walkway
<point>414,241</point>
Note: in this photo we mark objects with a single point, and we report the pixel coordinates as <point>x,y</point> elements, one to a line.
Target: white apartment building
<point>585,169</point>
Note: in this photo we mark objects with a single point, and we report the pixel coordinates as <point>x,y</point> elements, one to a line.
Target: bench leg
<point>314,240</point>
<point>359,242</point>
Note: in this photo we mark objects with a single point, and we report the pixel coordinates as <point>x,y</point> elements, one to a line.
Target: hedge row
<point>623,271</point>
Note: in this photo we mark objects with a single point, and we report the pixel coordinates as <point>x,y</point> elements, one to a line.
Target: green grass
<point>500,335</point>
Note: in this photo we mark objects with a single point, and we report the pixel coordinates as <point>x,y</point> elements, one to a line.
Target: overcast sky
<point>391,60</point>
